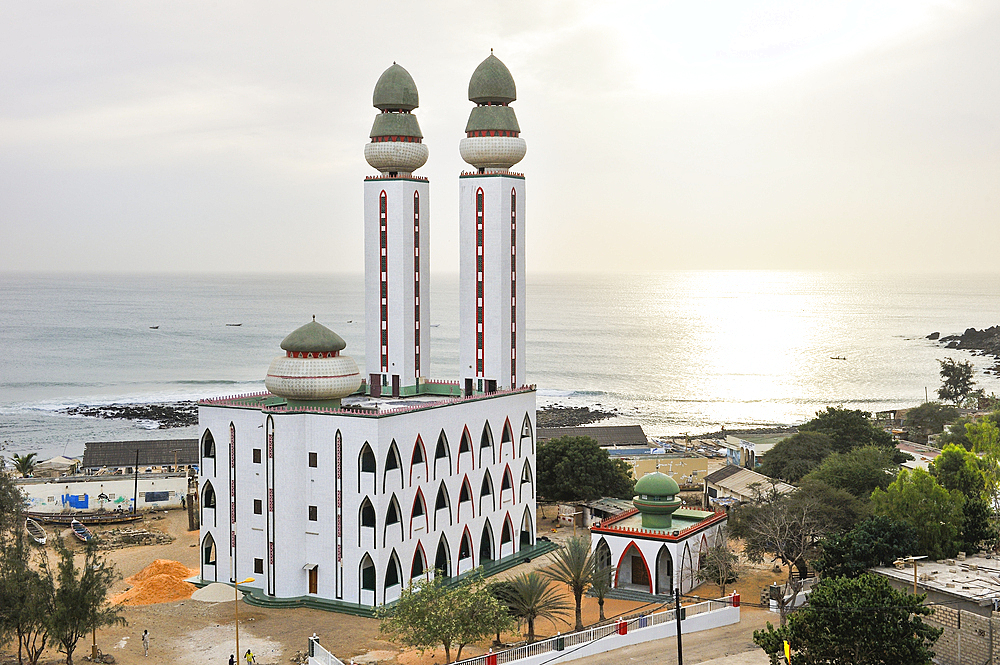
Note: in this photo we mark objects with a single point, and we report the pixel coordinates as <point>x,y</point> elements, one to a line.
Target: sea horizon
<point>675,351</point>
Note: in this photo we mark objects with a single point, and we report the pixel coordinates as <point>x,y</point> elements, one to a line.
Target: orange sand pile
<point>160,582</point>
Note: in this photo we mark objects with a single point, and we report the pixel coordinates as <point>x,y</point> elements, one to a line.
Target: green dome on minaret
<point>656,498</point>
<point>395,91</point>
<point>492,83</point>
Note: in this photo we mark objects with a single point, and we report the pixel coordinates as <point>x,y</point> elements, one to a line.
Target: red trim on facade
<point>466,436</point>
<point>423,557</point>
<point>317,376</point>
<point>416,283</point>
<point>472,546</point>
<point>513,287</point>
<point>395,138</point>
<point>383,222</point>
<point>468,486</point>
<point>507,475</point>
<point>312,354</point>
<point>645,563</point>
<point>608,526</point>
<point>480,283</point>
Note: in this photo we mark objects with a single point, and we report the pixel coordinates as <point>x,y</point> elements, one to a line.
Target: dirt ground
<point>193,632</point>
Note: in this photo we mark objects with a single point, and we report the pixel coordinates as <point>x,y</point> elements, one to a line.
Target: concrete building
<point>343,488</point>
<point>155,456</point>
<point>657,546</point>
<point>733,485</point>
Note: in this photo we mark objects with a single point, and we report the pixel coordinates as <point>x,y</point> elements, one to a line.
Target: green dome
<point>395,90</point>
<point>313,338</point>
<point>657,484</point>
<point>492,83</point>
<point>395,124</point>
<point>492,117</point>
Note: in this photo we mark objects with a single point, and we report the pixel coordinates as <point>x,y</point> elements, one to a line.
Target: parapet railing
<point>570,640</point>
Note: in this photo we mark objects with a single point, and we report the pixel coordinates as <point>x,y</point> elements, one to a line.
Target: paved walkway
<point>732,645</point>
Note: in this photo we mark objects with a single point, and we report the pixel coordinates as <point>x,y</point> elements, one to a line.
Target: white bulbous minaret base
<point>493,152</point>
<point>313,378</point>
<point>396,157</point>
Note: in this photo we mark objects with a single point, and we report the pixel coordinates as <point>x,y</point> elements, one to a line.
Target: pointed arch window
<point>442,451</point>
<point>507,438</point>
<point>366,460</point>
<point>465,546</point>
<point>393,519</point>
<point>506,534</point>
<point>367,573</point>
<point>208,500</point>
<point>507,484</point>
<point>419,566</point>
<point>393,573</point>
<point>527,529</point>
<point>442,560</point>
<point>393,462</point>
<point>527,479</point>
<point>418,459</point>
<point>486,494</point>
<point>486,543</point>
<point>418,513</point>
<point>208,444</point>
<point>367,514</point>
<point>208,550</point>
<point>486,441</point>
<point>442,502</point>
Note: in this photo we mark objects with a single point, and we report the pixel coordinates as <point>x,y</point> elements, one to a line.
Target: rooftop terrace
<point>425,395</point>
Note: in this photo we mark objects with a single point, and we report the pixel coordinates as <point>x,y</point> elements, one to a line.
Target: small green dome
<point>657,484</point>
<point>492,83</point>
<point>313,338</point>
<point>395,91</point>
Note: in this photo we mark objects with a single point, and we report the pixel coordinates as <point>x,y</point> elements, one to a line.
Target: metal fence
<point>571,640</point>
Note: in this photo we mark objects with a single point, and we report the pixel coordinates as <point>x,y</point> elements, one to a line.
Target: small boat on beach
<point>234,325</point>
<point>837,358</point>
<point>80,531</point>
<point>35,530</point>
<point>154,327</point>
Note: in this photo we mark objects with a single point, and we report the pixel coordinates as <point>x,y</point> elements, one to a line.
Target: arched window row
<point>208,444</point>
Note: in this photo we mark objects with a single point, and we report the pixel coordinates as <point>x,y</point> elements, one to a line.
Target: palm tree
<point>600,585</point>
<point>24,464</point>
<point>573,564</point>
<point>530,596</point>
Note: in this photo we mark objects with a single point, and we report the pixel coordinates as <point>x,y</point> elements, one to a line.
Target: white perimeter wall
<point>48,497</point>
<point>400,268</point>
<point>497,190</point>
<point>299,542</point>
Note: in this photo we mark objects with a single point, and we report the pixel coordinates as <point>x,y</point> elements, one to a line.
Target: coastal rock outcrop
<point>985,342</point>
<point>166,416</point>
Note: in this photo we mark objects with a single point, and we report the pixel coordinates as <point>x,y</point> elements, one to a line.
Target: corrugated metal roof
<point>156,452</point>
<point>741,480</point>
<point>605,435</point>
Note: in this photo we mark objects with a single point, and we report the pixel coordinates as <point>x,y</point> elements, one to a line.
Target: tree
<point>956,381</point>
<point>575,468</point>
<point>929,418</point>
<point>916,497</point>
<point>855,621</point>
<point>848,429</point>
<point>24,464</point>
<point>792,458</point>
<point>720,565</point>
<point>984,435</point>
<point>12,504</point>
<point>780,530</point>
<point>876,541</point>
<point>573,564</point>
<point>978,530</point>
<point>78,602</point>
<point>529,597</point>
<point>435,612</point>
<point>955,433</point>
<point>958,469</point>
<point>859,471</point>
<point>24,598</point>
<point>601,585</point>
<point>836,509</point>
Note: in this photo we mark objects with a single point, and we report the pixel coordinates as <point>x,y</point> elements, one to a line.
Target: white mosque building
<point>343,486</point>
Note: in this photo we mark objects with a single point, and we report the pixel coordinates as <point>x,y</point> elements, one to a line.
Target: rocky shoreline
<point>570,416</point>
<point>168,415</point>
<point>985,342</point>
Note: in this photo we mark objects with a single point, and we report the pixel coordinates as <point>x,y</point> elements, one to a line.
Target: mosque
<point>344,486</point>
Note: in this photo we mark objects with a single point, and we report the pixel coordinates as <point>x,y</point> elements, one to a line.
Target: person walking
<point>249,658</point>
<point>145,642</point>
<point>232,659</point>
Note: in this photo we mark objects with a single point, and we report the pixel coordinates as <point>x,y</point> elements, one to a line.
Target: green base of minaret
<point>656,514</point>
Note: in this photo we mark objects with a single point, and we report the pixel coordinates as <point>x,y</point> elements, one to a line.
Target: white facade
<point>655,560</point>
<point>397,289</point>
<point>477,501</point>
<point>491,279</point>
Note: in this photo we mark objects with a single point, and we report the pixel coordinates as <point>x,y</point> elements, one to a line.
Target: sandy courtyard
<point>194,632</point>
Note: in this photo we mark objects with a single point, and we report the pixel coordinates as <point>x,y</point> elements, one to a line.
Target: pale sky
<point>229,136</point>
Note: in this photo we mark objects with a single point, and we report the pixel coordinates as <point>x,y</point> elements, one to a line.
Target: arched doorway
<point>632,572</point>
<point>664,571</point>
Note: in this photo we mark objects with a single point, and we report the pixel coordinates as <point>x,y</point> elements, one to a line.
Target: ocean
<point>677,352</point>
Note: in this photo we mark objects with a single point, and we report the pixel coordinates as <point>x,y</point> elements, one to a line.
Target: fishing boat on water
<point>35,530</point>
<point>80,531</point>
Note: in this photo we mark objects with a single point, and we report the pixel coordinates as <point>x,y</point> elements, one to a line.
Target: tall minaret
<point>491,236</point>
<point>397,240</point>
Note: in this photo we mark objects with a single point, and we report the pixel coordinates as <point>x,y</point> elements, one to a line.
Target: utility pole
<point>135,490</point>
<point>677,614</point>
